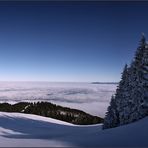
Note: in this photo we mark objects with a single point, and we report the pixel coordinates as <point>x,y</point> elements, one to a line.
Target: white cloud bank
<point>91,98</point>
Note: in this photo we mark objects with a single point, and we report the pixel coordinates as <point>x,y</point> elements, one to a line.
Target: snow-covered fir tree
<point>130,102</point>
<point>112,115</point>
<point>117,104</point>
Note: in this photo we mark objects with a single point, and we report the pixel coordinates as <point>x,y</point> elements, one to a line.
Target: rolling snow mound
<point>25,130</point>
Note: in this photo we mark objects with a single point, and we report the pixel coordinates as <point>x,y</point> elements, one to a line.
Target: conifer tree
<point>122,96</point>
<point>111,119</point>
<point>139,82</point>
<point>131,96</point>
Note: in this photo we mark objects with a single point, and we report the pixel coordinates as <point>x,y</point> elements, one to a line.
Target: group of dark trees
<point>47,109</point>
<point>130,102</point>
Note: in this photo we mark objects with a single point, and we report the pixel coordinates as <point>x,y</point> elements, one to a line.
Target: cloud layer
<point>92,98</point>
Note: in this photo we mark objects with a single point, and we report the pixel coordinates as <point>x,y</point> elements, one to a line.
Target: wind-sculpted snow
<point>92,98</point>
<point>23,130</point>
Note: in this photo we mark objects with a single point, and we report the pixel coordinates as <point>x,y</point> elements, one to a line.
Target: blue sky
<point>69,41</point>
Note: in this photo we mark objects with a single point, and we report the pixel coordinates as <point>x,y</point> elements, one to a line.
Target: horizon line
<point>93,82</point>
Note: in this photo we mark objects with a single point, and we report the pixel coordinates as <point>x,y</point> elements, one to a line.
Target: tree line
<point>48,109</point>
<point>130,102</point>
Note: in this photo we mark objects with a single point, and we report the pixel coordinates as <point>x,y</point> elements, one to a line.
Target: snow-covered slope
<point>18,129</point>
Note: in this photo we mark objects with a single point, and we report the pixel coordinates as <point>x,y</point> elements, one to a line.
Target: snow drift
<point>17,129</point>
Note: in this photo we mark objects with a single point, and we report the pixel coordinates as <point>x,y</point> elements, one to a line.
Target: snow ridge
<point>18,129</point>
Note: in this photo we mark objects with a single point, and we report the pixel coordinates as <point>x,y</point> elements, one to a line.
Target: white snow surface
<point>24,130</point>
<point>91,98</point>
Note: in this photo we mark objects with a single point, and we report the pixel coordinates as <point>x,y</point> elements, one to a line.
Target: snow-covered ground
<point>91,98</point>
<point>23,130</point>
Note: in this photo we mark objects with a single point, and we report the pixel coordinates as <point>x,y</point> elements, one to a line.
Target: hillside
<point>47,109</point>
<point>18,129</point>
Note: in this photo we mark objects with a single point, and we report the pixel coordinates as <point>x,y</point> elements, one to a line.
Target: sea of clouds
<point>91,98</point>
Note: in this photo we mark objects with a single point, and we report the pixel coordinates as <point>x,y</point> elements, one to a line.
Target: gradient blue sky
<point>69,41</point>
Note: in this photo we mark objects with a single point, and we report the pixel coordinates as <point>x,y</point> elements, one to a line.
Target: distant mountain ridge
<point>104,82</point>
